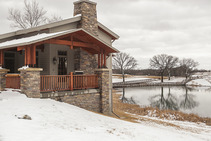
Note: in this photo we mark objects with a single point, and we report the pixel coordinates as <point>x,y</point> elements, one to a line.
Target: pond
<point>184,99</point>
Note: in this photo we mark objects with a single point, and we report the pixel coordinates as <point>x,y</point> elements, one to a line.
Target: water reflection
<point>188,101</point>
<point>167,101</point>
<point>159,101</point>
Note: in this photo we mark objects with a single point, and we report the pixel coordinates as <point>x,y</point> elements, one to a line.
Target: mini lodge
<point>68,55</point>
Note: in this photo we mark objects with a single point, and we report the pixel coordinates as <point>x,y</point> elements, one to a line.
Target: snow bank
<point>199,82</point>
<point>53,121</point>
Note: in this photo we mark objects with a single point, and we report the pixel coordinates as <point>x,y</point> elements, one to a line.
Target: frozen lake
<point>185,99</point>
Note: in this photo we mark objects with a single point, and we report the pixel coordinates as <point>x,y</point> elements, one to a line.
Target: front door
<point>9,61</point>
<point>62,66</point>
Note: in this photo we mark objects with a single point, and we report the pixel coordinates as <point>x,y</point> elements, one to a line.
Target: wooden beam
<point>20,48</point>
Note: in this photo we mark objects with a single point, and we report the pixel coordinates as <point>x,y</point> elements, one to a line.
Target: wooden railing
<point>85,81</point>
<point>13,81</point>
<point>67,82</point>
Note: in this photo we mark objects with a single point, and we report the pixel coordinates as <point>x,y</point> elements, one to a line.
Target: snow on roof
<point>34,39</point>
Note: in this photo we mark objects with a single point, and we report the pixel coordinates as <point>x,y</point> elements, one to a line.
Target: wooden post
<point>33,56</point>
<point>25,57</point>
<point>71,81</point>
<point>104,59</point>
<point>98,60</point>
<point>71,47</point>
<point>28,57</point>
<point>2,58</point>
<point>101,58</point>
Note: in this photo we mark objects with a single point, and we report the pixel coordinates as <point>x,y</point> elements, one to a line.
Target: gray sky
<point>146,27</point>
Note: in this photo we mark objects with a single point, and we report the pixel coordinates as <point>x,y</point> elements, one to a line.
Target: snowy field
<point>56,121</point>
<point>134,78</point>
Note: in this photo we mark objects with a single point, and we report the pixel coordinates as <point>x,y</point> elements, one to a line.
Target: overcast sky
<point>146,27</point>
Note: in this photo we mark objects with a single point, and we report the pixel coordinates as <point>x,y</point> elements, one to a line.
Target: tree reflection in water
<point>127,100</point>
<point>188,101</point>
<point>172,102</point>
<point>169,101</point>
<point>159,101</point>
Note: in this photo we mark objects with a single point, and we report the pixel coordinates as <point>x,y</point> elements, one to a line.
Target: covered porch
<point>58,56</point>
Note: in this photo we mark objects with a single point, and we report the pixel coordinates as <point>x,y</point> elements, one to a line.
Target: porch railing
<point>13,81</point>
<point>67,82</point>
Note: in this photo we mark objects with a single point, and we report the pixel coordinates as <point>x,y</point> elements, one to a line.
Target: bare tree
<point>171,63</point>
<point>31,16</point>
<point>124,61</point>
<point>163,62</point>
<point>188,65</point>
<point>159,62</point>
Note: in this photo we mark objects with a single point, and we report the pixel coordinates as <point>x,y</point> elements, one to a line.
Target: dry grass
<point>126,111</point>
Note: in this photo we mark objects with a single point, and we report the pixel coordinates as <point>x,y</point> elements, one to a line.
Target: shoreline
<point>132,112</point>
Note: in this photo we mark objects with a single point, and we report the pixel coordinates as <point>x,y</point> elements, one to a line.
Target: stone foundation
<point>3,73</point>
<point>30,82</point>
<point>88,99</point>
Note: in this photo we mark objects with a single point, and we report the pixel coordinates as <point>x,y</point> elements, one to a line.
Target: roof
<point>46,36</point>
<point>55,24</point>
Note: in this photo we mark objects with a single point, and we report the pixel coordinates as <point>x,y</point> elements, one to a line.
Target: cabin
<point>68,60</point>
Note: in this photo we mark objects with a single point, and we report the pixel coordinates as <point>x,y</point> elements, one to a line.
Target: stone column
<point>103,81</point>
<point>30,81</point>
<point>3,73</point>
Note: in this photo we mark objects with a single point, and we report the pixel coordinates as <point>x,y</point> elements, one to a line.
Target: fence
<point>13,81</point>
<point>67,82</point>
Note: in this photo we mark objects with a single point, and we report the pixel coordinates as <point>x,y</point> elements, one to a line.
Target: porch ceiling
<point>77,38</point>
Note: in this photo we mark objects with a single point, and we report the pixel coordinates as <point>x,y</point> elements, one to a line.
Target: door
<point>62,66</point>
<point>9,61</point>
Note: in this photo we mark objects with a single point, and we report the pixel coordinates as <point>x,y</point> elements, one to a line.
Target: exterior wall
<point>105,37</point>
<point>54,53</point>
<point>44,60</point>
<point>64,27</point>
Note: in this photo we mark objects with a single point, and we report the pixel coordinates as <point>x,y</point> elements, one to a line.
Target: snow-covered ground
<point>199,82</point>
<point>134,78</point>
<point>53,121</point>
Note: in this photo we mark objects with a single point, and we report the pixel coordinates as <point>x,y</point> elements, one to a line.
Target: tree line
<point>160,65</point>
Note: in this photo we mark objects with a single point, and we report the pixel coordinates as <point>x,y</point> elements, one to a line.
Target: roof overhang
<point>40,38</point>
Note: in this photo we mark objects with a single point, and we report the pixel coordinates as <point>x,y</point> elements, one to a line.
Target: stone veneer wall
<point>88,12</point>
<point>3,73</point>
<point>30,82</point>
<point>83,60</point>
<point>87,101</point>
<point>103,82</point>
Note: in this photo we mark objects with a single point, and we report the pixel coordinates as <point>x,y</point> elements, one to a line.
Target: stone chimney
<point>88,12</point>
